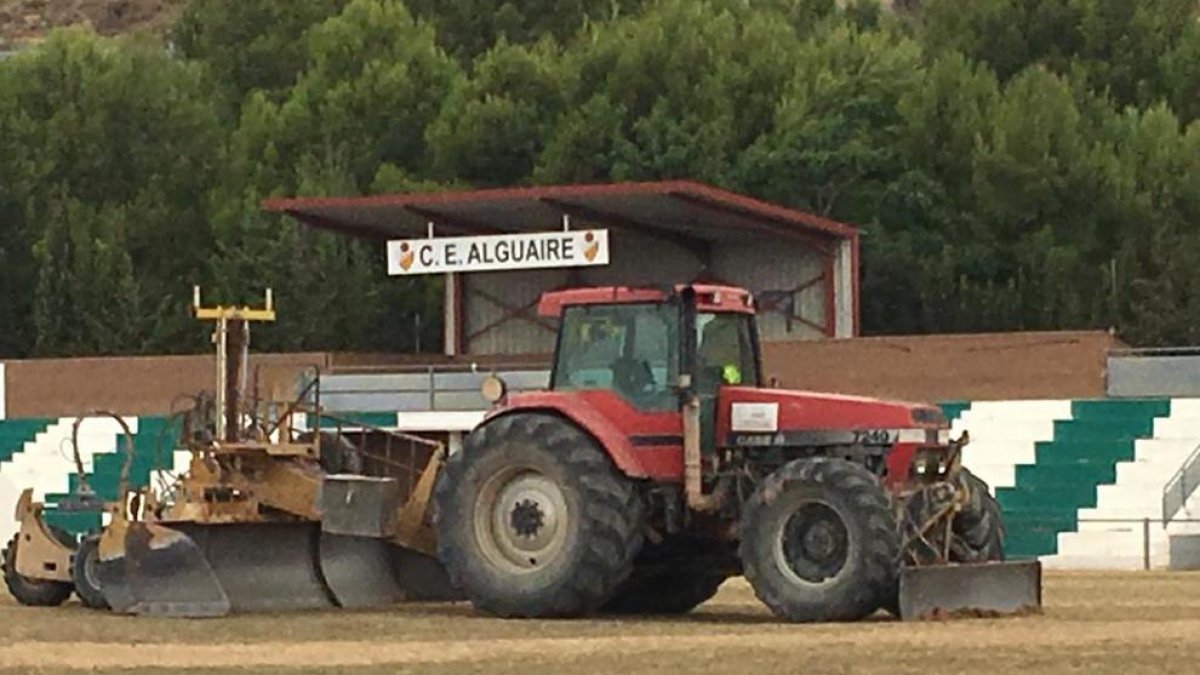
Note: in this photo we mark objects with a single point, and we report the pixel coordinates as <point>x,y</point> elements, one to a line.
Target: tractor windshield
<point>631,349</point>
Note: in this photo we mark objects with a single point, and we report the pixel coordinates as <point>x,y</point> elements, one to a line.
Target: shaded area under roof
<point>692,213</point>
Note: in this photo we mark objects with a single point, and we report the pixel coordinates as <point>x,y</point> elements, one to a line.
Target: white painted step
<point>1032,409</point>
<point>1185,407</point>
<point>1177,427</point>
<point>999,430</point>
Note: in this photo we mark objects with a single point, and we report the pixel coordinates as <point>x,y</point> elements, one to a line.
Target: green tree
<point>1181,72</point>
<point>374,82</point>
<point>1124,43</point>
<point>250,44</point>
<point>675,92</point>
<point>468,28</point>
<point>493,127</point>
<point>113,127</point>
<point>834,140</point>
<point>1008,35</point>
<point>87,300</point>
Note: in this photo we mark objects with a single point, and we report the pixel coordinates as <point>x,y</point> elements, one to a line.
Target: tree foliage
<point>1012,164</point>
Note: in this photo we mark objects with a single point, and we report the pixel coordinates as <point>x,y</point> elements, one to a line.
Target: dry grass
<point>1094,623</point>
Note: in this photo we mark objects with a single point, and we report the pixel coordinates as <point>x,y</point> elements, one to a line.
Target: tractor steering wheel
<point>632,376</point>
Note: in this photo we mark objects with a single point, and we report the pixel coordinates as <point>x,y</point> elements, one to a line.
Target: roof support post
<point>452,315</point>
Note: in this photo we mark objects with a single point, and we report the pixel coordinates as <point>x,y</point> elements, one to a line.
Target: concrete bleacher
<point>1135,494</point>
<point>44,460</point>
<point>37,454</point>
<point>1064,471</point>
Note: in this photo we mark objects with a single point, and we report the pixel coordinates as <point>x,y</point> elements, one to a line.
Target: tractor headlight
<point>493,389</point>
<point>929,463</point>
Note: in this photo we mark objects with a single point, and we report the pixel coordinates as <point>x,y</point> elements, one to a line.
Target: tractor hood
<point>753,409</point>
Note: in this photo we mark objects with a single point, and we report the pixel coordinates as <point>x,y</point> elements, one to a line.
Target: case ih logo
<point>498,252</point>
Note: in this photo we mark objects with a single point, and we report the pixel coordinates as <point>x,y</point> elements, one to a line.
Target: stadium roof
<point>687,211</point>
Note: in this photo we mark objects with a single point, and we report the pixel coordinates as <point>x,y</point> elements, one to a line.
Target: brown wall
<point>130,385</point>
<point>990,366</point>
<point>147,385</point>
<point>922,368</point>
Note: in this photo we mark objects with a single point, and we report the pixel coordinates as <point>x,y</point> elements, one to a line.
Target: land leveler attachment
<point>268,515</point>
<point>954,563</point>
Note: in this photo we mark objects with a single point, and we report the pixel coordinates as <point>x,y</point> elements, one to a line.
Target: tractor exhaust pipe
<point>693,473</point>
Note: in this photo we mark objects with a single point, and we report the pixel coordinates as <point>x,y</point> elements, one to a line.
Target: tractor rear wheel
<point>83,573</point>
<point>819,541</point>
<point>27,591</point>
<point>534,520</point>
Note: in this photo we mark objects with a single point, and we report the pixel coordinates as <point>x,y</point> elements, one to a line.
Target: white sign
<point>754,417</point>
<point>570,248</point>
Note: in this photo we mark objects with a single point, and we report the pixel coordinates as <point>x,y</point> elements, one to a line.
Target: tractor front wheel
<point>534,520</point>
<point>979,527</point>
<point>819,542</point>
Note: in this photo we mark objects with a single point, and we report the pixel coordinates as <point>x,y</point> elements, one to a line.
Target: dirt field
<point>1094,623</point>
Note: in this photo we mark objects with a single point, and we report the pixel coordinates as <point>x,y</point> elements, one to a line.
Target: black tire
<point>665,593</point>
<point>520,472</point>
<point>847,568</point>
<point>31,592</point>
<point>978,528</point>
<point>83,573</point>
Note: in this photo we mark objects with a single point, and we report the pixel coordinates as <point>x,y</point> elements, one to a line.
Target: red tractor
<point>658,464</point>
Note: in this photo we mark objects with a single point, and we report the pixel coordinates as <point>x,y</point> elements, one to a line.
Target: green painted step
<point>1025,543</point>
<point>14,434</point>
<point>1133,408</point>
<point>1047,497</point>
<point>385,420</point>
<point>954,409</point>
<point>1084,454</point>
<point>1089,430</point>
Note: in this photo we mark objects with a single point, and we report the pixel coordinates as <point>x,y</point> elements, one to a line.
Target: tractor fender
<point>584,415</point>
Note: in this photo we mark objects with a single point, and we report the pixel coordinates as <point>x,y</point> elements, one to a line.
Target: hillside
<point>25,21</point>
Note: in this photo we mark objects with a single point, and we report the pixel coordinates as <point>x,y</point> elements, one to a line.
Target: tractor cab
<point>638,343</point>
<point>650,347</point>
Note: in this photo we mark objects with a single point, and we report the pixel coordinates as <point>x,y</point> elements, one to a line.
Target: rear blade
<point>194,570</point>
<point>367,572</point>
<point>264,566</point>
<point>423,577</point>
<point>110,574</point>
<point>166,574</point>
<point>976,589</point>
<point>359,571</point>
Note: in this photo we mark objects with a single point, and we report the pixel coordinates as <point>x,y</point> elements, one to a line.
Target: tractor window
<point>725,354</point>
<point>630,349</point>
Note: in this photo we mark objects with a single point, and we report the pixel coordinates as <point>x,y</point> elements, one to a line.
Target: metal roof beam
<point>698,247</point>
<point>456,223</point>
<point>761,222</point>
